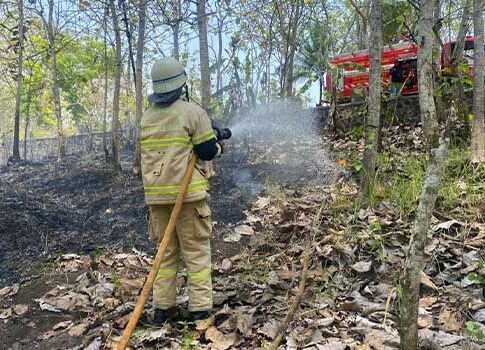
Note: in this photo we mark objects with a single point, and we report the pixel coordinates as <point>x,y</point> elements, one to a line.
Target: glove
<point>222,145</point>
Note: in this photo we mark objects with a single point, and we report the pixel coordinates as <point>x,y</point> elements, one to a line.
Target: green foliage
<point>395,14</point>
<point>474,330</point>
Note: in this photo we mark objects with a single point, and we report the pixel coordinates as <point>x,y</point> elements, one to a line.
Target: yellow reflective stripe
<point>166,142</point>
<point>159,145</point>
<point>193,183</point>
<point>202,275</point>
<point>166,272</point>
<point>174,193</point>
<point>197,140</point>
<point>167,139</point>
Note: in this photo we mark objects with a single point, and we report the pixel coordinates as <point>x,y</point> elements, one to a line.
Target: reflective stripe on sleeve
<point>202,275</point>
<point>197,140</point>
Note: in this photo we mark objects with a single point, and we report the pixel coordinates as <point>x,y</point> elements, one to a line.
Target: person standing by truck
<point>397,78</point>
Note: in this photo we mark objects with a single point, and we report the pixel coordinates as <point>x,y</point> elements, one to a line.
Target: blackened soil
<point>84,205</point>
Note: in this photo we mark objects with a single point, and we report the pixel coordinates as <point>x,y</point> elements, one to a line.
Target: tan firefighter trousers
<point>192,239</point>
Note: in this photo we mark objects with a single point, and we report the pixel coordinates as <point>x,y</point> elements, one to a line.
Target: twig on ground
<point>296,301</point>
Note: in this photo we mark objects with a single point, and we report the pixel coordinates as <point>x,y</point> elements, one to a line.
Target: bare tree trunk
<point>115,124</point>
<point>56,93</point>
<point>131,63</point>
<point>374,110</point>
<point>105,86</point>
<point>425,76</point>
<point>18,97</point>
<point>204,55</point>
<point>478,133</point>
<point>415,259</point>
<point>27,116</point>
<point>455,59</point>
<point>139,84</point>
<point>176,29</point>
<point>219,53</point>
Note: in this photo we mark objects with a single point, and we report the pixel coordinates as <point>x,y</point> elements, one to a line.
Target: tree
<point>204,55</point>
<point>438,149</point>
<point>51,32</point>
<point>18,96</point>
<point>478,133</point>
<point>115,123</point>
<point>372,124</point>
<point>139,83</point>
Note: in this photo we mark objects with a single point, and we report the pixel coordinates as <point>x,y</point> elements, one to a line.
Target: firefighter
<point>397,78</point>
<point>172,129</point>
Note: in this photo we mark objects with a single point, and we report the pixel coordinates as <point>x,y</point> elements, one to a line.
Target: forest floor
<point>75,251</point>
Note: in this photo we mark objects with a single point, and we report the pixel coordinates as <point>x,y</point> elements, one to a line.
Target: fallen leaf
<point>244,322</point>
<point>362,266</point>
<point>155,335</point>
<point>9,290</point>
<point>232,236</point>
<point>446,225</point>
<point>219,340</point>
<point>70,256</point>
<point>78,330</point>
<point>333,346</point>
<point>427,301</point>
<point>449,320</point>
<point>203,325</point>
<point>440,338</point>
<point>69,302</point>
<point>261,203</point>
<point>20,309</point>
<point>226,264</point>
<point>62,325</point>
<point>426,280</point>
<point>5,313</point>
<point>94,345</point>
<point>132,286</point>
<point>244,230</point>
<point>269,328</point>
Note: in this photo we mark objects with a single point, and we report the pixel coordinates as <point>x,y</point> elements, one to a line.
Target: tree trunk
<point>18,97</point>
<point>425,75</point>
<point>176,29</point>
<point>27,116</point>
<point>374,110</point>
<point>105,87</point>
<point>429,192</point>
<point>455,59</point>
<point>204,56</point>
<point>478,134</point>
<point>140,44</point>
<point>415,257</point>
<point>115,124</point>
<point>131,63</point>
<point>219,52</point>
<point>56,93</point>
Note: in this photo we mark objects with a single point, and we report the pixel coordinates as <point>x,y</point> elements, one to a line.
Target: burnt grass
<point>83,206</point>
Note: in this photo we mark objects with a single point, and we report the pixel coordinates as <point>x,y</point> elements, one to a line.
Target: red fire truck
<point>353,69</point>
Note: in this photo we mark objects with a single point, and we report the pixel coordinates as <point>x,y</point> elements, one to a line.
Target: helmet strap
<point>186,92</point>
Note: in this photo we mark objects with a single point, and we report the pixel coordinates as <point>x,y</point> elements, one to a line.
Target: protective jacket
<point>169,134</point>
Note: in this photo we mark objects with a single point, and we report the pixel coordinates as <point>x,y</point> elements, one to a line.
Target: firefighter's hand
<point>222,145</point>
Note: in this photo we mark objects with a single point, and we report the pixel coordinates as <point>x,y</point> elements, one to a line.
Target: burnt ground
<point>84,206</point>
